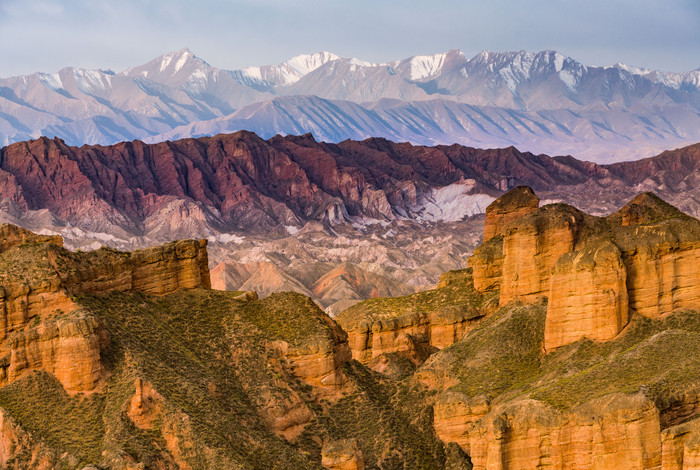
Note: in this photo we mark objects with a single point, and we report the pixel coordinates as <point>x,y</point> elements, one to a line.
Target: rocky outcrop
<point>69,348</point>
<point>587,296</point>
<point>487,265</point>
<point>531,247</point>
<point>455,415</point>
<point>15,441</point>
<point>411,332</point>
<point>615,431</point>
<point>321,364</point>
<point>12,236</point>
<point>342,454</point>
<point>593,270</point>
<point>508,208</point>
<point>416,325</point>
<point>680,446</point>
<point>612,432</point>
<point>40,326</point>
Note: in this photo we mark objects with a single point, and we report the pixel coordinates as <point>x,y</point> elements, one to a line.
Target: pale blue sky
<point>46,35</point>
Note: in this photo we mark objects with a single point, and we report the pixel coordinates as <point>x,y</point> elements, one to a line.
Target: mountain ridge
<point>544,102</point>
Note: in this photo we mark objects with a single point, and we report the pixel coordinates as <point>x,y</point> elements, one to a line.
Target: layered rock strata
<point>592,269</point>
<point>587,296</point>
<point>39,329</point>
<point>508,208</point>
<point>407,333</point>
<point>615,431</point>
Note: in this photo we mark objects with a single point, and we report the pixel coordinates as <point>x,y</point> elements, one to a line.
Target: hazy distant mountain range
<point>541,102</point>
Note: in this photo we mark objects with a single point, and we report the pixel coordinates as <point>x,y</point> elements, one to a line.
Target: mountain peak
<point>306,63</point>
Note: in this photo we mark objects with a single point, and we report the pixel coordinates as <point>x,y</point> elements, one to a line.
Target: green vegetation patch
<point>660,357</point>
<point>188,345</point>
<point>391,422</point>
<point>458,293</point>
<point>503,352</point>
<point>503,358</point>
<point>72,424</point>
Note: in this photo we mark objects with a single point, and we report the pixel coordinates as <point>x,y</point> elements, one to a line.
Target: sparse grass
<point>503,358</point>
<point>392,424</point>
<point>72,424</point>
<point>458,293</point>
<point>187,344</point>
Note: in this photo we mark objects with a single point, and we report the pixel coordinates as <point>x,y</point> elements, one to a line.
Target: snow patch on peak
<point>186,55</point>
<point>482,56</point>
<point>424,66</point>
<point>165,61</point>
<point>51,81</point>
<point>627,68</point>
<point>253,72</point>
<point>306,63</point>
<point>90,81</point>
<point>558,61</point>
<point>361,63</point>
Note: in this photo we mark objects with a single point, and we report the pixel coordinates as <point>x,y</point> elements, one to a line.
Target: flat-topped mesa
<point>40,325</point>
<point>508,208</point>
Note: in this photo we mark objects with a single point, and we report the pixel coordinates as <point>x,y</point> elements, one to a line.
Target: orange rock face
<point>343,454</point>
<point>616,431</point>
<point>681,446</point>
<point>508,208</point>
<point>408,332</point>
<point>38,329</point>
<point>663,277</point>
<point>531,247</point>
<point>68,348</point>
<point>321,366</point>
<point>593,270</point>
<point>487,265</point>
<point>587,296</point>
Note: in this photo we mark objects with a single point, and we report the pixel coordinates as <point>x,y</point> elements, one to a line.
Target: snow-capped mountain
<point>542,101</point>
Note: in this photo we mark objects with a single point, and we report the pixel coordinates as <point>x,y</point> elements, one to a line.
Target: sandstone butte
<point>589,277</point>
<point>593,270</point>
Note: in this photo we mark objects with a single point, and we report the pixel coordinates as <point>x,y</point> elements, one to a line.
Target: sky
<point>47,35</point>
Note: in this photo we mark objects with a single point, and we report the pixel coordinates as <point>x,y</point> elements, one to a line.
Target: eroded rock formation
<point>40,325</point>
<point>592,269</point>
<point>508,208</point>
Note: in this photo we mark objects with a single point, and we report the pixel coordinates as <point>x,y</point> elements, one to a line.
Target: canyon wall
<point>40,326</point>
<point>592,269</point>
<point>614,431</point>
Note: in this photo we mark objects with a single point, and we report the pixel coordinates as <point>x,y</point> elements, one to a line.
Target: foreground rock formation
<point>40,326</point>
<point>129,360</point>
<point>592,269</point>
<point>573,341</point>
<point>413,326</point>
